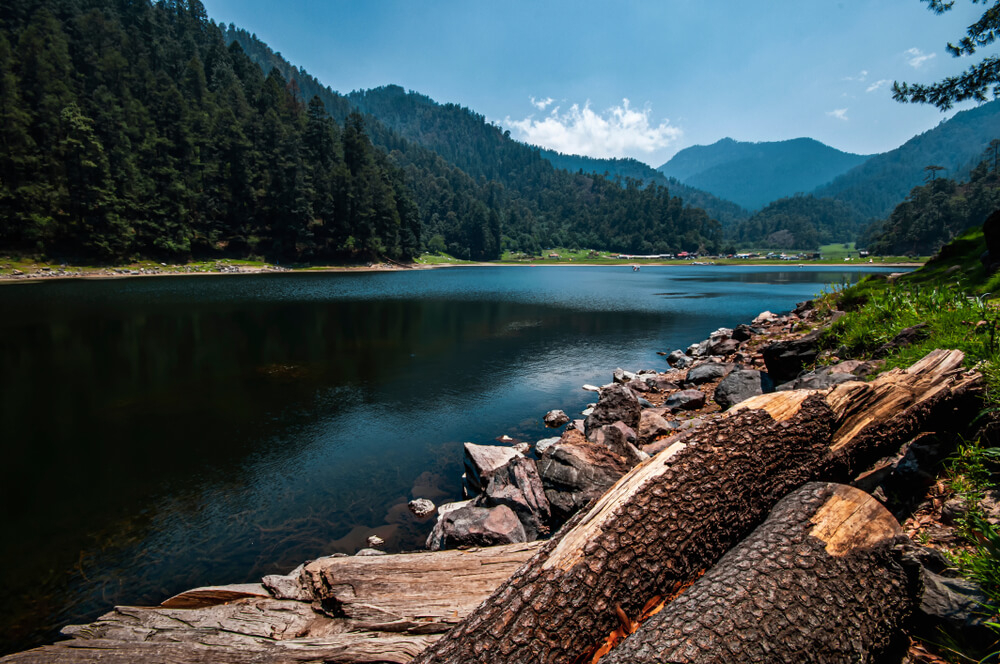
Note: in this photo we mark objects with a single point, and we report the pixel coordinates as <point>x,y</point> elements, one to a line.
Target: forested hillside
<point>464,170</point>
<point>876,187</point>
<point>935,213</point>
<point>133,130</point>
<point>755,174</point>
<point>799,222</point>
<point>138,130</point>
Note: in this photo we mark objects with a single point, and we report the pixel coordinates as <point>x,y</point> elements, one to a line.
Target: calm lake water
<point>161,434</point>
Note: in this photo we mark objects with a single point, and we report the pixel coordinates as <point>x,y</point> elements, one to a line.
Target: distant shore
<point>47,272</point>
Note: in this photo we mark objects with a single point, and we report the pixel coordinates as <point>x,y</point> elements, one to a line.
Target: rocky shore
<point>381,607</point>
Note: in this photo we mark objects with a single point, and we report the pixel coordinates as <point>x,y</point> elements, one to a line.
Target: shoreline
<point>41,274</point>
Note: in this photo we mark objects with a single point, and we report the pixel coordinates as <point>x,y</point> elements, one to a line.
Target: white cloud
<point>917,57</point>
<point>839,113</point>
<point>620,131</point>
<point>877,85</point>
<point>861,77</point>
<point>540,104</point>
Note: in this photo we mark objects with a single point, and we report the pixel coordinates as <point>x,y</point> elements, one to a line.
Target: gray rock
<point>743,333</point>
<point>685,400</point>
<point>621,376</point>
<point>544,444</point>
<point>481,461</point>
<point>574,473</point>
<point>476,526</point>
<point>785,359</point>
<point>617,402</point>
<point>707,371</point>
<point>679,360</point>
<point>555,418</point>
<point>421,507</point>
<point>740,385</point>
<point>907,337</point>
<point>645,403</point>
<point>724,347</point>
<point>519,487</point>
<point>620,439</point>
<point>952,510</point>
<point>652,425</point>
<point>699,349</point>
<point>956,602</point>
<point>375,542</point>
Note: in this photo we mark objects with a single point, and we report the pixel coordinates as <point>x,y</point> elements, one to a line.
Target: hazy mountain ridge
<point>877,186</point>
<point>755,174</point>
<point>727,212</point>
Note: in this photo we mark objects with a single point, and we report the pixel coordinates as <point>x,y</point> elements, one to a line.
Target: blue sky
<point>641,79</point>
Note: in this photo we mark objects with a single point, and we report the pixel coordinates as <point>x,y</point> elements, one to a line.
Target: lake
<point>166,433</point>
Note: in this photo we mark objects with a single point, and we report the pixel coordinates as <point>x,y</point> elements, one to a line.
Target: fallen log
<point>360,609</point>
<point>817,582</point>
<point>673,516</point>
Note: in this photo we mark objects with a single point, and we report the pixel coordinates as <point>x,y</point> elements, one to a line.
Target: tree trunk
<point>817,582</point>
<point>673,516</point>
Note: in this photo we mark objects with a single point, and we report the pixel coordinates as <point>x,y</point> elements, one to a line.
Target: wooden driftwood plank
<point>676,514</point>
<point>817,582</point>
<point>384,609</point>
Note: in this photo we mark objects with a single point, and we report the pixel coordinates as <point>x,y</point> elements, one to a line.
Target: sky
<point>641,78</point>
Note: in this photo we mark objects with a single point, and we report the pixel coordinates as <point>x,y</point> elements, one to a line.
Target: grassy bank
<point>953,299</point>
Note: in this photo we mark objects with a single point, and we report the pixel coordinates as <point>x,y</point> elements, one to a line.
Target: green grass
<point>439,259</point>
<point>952,295</point>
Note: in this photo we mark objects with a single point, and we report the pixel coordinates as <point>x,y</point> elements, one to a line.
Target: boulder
<point>421,507</point>
<point>740,385</point>
<point>679,360</point>
<point>685,400</point>
<point>907,337</point>
<point>703,373</point>
<point>476,526</point>
<point>621,376</point>
<point>651,426</point>
<point>955,604</point>
<point>621,440</point>
<point>519,487</point>
<point>663,384</point>
<point>699,349</point>
<point>575,472</point>
<point>785,359</point>
<point>555,418</point>
<point>991,233</point>
<point>481,461</point>
<point>764,318</point>
<point>639,385</point>
<point>617,402</point>
<point>545,444</point>
<point>724,347</point>
<point>370,552</point>
<point>743,333</point>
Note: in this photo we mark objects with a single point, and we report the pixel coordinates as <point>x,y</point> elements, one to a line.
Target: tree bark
<point>673,516</point>
<point>817,582</point>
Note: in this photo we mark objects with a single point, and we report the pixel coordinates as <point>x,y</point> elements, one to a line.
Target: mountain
<point>799,222</point>
<point>933,214</point>
<point>877,186</point>
<point>754,174</point>
<point>727,212</point>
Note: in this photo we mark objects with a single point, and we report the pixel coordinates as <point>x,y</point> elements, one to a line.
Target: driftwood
<point>673,516</point>
<point>364,609</point>
<point>817,582</point>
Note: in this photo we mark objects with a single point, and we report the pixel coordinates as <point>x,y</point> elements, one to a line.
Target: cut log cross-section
<point>817,582</point>
<point>661,525</point>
